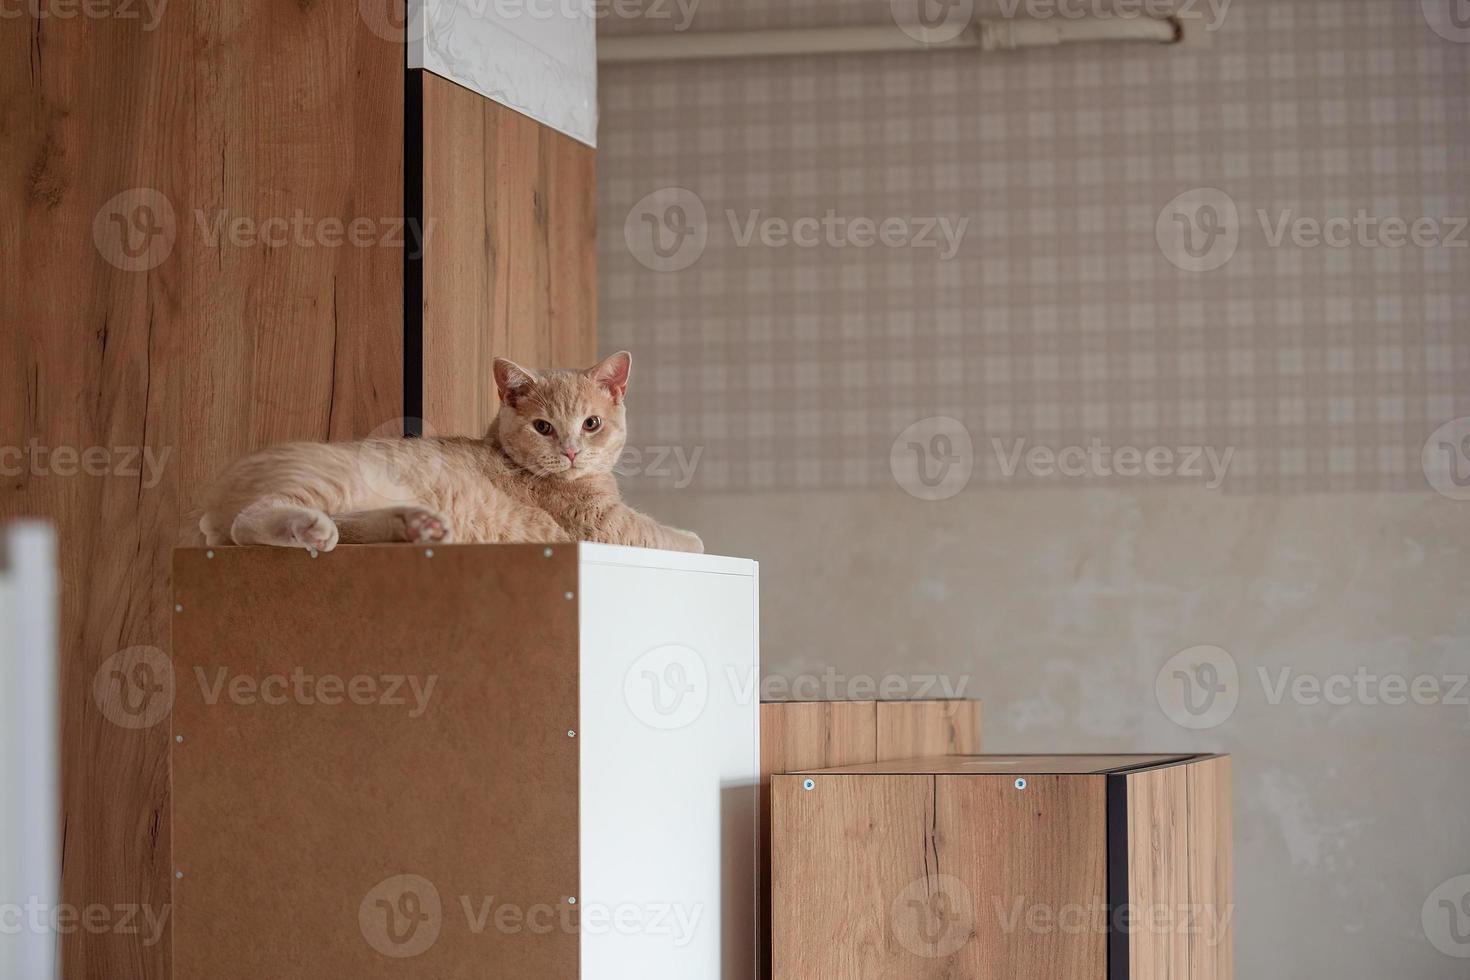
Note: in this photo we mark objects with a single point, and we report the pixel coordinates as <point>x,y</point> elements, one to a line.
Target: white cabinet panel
<point>537,56</point>
<point>669,764</point>
<point>30,861</point>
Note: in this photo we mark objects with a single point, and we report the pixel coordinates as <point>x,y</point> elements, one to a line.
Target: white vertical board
<point>670,755</point>
<point>30,861</point>
<point>537,56</point>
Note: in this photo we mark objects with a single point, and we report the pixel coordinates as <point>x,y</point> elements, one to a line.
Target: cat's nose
<point>570,454</point>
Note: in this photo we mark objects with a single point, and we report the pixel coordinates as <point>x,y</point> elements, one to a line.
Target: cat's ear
<point>512,381</point>
<point>612,373</point>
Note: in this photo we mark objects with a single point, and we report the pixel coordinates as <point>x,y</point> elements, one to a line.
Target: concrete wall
<point>1062,610</point>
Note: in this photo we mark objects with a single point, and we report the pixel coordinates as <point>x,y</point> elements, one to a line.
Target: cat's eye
<point>544,427</point>
<point>593,423</point>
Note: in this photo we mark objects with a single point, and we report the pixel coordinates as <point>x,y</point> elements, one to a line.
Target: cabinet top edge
<point>587,553</point>
<point>616,554</point>
<point>1079,764</point>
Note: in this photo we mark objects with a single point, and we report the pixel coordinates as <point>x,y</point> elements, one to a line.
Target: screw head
<point>1020,783</point>
<point>178,738</point>
<point>569,595</point>
<point>571,733</point>
<point>428,552</point>
<point>178,607</point>
<point>178,874</point>
<point>209,553</point>
<point>546,553</point>
<point>572,900</point>
<point>808,784</point>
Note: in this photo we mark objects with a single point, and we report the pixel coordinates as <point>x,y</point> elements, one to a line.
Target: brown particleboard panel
<point>924,876</point>
<point>1179,833</point>
<point>510,267</point>
<point>289,816</point>
<point>256,109</point>
<point>910,729</point>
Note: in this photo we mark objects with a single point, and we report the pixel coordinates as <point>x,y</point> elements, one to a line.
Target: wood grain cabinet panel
<point>908,729</point>
<point>798,735</point>
<point>146,338</point>
<point>1179,853</point>
<point>806,735</point>
<point>1004,868</point>
<point>509,266</point>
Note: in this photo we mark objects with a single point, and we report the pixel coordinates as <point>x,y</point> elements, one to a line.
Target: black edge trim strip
<point>1119,912</point>
<point>413,258</point>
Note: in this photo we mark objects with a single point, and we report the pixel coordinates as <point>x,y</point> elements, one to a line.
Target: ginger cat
<point>542,473</point>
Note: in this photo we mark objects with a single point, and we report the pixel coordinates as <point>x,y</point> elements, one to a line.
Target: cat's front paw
<point>691,542</point>
<point>425,526</point>
<point>312,530</point>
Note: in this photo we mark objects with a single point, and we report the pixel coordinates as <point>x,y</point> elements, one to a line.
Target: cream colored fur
<point>517,484</point>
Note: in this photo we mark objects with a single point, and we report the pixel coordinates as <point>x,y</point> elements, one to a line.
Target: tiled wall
<point>1060,317</point>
